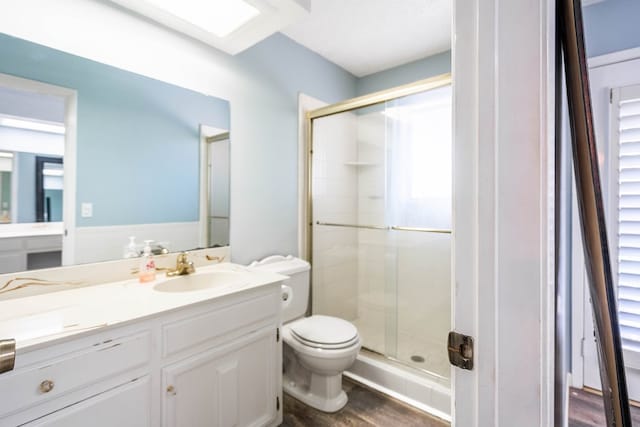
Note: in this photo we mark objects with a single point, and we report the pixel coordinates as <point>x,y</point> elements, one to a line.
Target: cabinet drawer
<point>208,326</point>
<point>48,379</point>
<point>10,244</point>
<point>46,242</point>
<point>127,405</point>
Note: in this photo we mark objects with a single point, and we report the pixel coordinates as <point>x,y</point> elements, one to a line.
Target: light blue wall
<point>26,187</point>
<point>611,25</point>
<point>266,81</point>
<point>407,73</point>
<point>264,162</point>
<point>137,137</point>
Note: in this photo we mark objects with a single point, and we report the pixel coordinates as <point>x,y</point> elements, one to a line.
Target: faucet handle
<point>182,257</point>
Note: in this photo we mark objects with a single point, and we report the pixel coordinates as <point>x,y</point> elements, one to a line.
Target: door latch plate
<point>460,348</point>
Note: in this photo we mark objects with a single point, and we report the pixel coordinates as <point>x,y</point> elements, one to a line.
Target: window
<point>626,131</point>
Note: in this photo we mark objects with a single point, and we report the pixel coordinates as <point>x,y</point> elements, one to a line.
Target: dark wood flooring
<point>366,407</point>
<point>587,410</point>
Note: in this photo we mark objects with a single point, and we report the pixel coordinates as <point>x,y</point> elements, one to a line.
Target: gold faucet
<point>183,266</point>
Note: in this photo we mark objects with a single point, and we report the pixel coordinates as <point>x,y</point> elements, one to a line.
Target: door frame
<point>503,287</point>
<point>70,97</point>
<point>207,133</point>
<point>504,294</point>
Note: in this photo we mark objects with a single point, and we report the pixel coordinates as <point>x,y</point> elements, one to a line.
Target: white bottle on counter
<point>147,272</point>
<point>130,250</point>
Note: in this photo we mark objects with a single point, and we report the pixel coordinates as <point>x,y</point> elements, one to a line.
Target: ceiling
<point>368,36</point>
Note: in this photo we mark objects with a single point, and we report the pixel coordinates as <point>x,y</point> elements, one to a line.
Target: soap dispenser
<point>130,250</point>
<point>147,271</point>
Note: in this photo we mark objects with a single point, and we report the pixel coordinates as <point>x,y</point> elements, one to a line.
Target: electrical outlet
<point>86,210</point>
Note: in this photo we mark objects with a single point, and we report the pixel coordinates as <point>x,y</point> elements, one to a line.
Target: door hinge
<point>610,96</point>
<point>460,349</point>
<point>277,334</point>
<point>582,347</point>
<point>277,403</point>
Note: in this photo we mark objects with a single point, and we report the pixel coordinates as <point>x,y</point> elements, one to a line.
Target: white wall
<point>12,139</point>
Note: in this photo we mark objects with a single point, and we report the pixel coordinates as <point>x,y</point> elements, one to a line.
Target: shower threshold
<point>414,386</point>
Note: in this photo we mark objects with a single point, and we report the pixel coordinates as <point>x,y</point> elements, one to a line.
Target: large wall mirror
<point>91,155</point>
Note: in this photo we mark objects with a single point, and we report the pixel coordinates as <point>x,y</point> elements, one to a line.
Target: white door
<point>503,293</point>
<point>613,95</point>
<point>230,385</point>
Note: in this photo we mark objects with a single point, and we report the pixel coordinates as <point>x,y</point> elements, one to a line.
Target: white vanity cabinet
<point>233,385</point>
<point>223,367</point>
<point>59,385</point>
<point>212,363</point>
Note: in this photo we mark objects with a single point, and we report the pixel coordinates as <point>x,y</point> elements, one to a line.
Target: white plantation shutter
<point>626,120</point>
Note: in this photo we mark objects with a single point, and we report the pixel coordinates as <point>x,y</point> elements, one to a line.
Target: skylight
<point>219,17</point>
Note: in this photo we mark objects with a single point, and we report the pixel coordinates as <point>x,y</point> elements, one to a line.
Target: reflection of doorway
<point>49,189</point>
<point>27,107</point>
<point>214,186</point>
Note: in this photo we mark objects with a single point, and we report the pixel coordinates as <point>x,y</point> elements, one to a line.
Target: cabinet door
<point>126,405</point>
<point>231,385</point>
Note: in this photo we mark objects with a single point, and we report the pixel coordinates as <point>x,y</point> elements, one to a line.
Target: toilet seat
<point>324,332</point>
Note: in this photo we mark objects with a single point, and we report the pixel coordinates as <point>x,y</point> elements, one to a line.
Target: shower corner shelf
<point>355,163</point>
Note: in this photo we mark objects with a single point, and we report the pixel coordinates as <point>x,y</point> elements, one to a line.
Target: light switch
<point>86,210</point>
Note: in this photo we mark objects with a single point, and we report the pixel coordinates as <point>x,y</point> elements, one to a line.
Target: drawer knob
<point>171,390</point>
<point>46,386</point>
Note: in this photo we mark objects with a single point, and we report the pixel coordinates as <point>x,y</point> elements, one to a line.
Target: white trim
<point>305,103</point>
<point>614,57</point>
<point>70,177</point>
<point>577,295</point>
<point>401,397</point>
<point>70,141</point>
<point>503,255</point>
<point>14,188</point>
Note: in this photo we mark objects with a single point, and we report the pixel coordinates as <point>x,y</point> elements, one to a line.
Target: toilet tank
<point>298,272</point>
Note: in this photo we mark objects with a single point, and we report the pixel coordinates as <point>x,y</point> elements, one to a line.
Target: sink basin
<point>199,282</point>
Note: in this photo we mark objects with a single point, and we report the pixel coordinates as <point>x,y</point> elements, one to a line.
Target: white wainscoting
<point>95,244</point>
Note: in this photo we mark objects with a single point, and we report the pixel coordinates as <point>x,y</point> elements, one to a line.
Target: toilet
<point>317,349</point>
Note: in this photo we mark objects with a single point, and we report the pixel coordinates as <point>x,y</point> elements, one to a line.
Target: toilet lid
<point>324,330</point>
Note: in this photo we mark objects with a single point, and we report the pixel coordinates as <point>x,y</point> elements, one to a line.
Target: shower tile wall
<point>334,272</point>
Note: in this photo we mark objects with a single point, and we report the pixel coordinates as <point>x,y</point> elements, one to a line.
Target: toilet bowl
<point>316,358</point>
<point>317,349</point>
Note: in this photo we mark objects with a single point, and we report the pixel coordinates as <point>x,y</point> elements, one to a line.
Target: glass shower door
<point>418,212</point>
<point>381,220</point>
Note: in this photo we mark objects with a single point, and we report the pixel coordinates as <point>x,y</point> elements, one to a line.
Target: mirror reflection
<point>91,156</point>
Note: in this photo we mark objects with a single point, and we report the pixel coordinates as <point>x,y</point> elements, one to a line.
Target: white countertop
<point>36,321</point>
<point>33,229</point>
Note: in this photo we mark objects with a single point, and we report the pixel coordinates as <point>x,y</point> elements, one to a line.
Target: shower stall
<point>380,232</point>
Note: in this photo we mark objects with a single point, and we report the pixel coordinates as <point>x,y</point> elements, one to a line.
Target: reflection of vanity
<point>126,354</point>
<point>136,150</point>
<point>30,246</point>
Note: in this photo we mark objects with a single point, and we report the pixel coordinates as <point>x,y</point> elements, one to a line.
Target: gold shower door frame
<point>342,107</point>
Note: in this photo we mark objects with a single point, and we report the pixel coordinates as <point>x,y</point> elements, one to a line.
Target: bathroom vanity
<point>161,354</point>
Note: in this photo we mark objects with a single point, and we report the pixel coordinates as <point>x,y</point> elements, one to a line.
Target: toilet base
<point>320,401</point>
